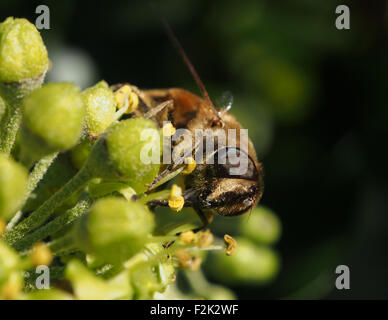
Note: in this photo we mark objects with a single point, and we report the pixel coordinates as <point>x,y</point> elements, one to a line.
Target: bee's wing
<point>225,102</point>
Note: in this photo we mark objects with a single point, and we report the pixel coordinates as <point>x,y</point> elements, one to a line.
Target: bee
<point>210,189</point>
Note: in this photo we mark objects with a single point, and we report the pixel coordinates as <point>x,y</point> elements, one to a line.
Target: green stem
<point>9,127</point>
<point>39,216</point>
<point>198,282</point>
<point>62,244</point>
<point>35,176</point>
<point>38,172</point>
<point>13,93</point>
<point>57,224</point>
<point>161,195</point>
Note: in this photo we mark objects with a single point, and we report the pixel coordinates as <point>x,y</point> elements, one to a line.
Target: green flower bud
<point>87,286</point>
<point>123,155</point>
<point>13,180</point>
<point>100,108</point>
<point>249,264</point>
<point>263,227</point>
<point>53,117</point>
<point>23,54</point>
<point>23,66</point>
<point>119,156</point>
<point>130,144</point>
<point>115,228</point>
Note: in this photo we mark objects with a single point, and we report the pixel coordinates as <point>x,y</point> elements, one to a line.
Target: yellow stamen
<point>187,237</point>
<point>125,97</point>
<point>133,101</point>
<point>230,244</point>
<point>190,165</point>
<point>176,205</point>
<point>41,254</point>
<point>176,192</point>
<point>176,201</point>
<point>205,239</point>
<point>168,129</point>
<point>122,96</point>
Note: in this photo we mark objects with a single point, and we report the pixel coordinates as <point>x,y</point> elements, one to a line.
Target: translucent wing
<point>225,101</point>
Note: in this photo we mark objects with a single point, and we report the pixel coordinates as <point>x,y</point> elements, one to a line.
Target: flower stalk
<point>39,216</point>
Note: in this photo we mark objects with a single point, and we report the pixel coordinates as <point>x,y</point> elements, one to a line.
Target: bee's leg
<point>191,200</point>
<point>187,195</point>
<point>205,218</point>
<point>167,174</point>
<point>160,107</point>
<point>157,203</point>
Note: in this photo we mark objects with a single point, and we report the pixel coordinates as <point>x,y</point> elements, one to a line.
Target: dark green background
<point>314,99</point>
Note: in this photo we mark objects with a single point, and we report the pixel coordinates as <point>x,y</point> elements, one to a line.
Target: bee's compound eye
<point>234,163</point>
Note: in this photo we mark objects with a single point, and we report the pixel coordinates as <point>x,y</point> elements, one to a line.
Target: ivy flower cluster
<point>73,194</point>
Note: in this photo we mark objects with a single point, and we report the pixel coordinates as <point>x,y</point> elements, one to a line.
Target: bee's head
<point>233,187</point>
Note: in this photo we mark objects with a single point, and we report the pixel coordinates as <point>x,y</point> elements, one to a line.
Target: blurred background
<point>314,99</point>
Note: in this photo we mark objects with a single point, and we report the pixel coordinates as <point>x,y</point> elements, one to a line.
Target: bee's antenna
<point>185,58</point>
